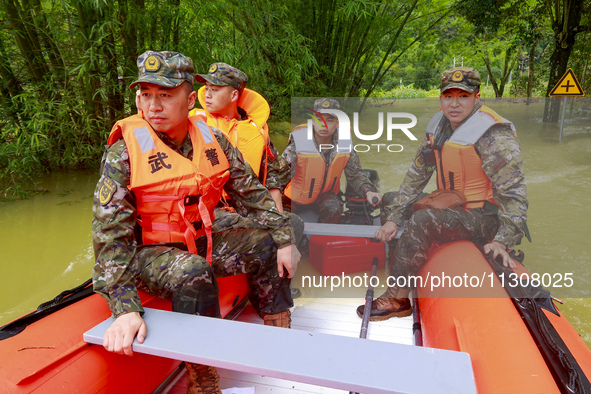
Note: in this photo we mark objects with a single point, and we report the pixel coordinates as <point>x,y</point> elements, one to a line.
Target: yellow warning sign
<point>567,86</point>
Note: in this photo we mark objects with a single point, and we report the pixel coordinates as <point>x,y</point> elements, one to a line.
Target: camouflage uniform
<point>500,153</point>
<point>328,206</point>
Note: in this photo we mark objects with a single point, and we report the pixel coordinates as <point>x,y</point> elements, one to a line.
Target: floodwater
<point>46,242</point>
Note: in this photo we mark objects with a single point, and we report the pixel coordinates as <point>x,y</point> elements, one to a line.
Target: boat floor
<point>313,312</point>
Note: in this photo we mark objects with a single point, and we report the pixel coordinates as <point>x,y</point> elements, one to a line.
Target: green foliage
<point>402,92</point>
<point>489,15</point>
<point>581,61</point>
<point>519,86</point>
<point>59,135</point>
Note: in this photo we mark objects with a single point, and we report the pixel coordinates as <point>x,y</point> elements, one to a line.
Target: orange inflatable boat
<point>518,340</point>
<point>43,352</point>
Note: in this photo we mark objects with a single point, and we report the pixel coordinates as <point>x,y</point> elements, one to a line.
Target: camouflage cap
<point>168,69</point>
<point>465,78</point>
<point>326,103</point>
<point>222,74</point>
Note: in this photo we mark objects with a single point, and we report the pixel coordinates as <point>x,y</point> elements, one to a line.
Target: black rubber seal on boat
<point>64,299</point>
<point>529,301</point>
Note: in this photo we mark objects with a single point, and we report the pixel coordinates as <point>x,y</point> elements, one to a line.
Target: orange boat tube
<point>50,356</point>
<point>480,318</point>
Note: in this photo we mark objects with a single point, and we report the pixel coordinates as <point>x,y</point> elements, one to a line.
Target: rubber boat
<point>519,342</point>
<point>43,352</point>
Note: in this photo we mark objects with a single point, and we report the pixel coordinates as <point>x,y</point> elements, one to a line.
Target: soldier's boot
<point>394,302</point>
<point>281,319</point>
<point>202,379</point>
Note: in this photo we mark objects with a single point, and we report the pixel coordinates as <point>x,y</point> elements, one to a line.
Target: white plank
<point>343,230</point>
<point>314,358</point>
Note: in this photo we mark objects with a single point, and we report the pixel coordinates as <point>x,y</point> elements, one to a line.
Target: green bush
<point>50,134</point>
<point>401,91</point>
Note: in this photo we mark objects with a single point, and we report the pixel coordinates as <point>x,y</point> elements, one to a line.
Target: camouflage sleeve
<point>356,177</point>
<point>290,159</point>
<point>113,222</point>
<point>252,199</point>
<point>277,171</point>
<point>501,161</point>
<point>412,186</point>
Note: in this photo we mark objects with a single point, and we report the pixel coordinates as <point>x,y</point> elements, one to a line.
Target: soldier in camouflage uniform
<point>123,265</point>
<point>502,226</point>
<point>329,206</point>
<point>225,88</point>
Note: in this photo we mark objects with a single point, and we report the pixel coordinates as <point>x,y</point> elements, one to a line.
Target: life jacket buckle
<point>191,200</point>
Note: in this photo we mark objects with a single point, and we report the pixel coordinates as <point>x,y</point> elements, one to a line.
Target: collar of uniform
<point>184,150</point>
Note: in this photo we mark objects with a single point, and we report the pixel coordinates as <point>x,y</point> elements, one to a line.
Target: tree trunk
<point>88,20</point>
<point>566,16</point>
<point>46,37</point>
<point>175,22</point>
<point>491,76</point>
<point>26,40</point>
<point>114,97</point>
<point>509,66</point>
<point>10,88</point>
<point>530,71</point>
<point>558,66</point>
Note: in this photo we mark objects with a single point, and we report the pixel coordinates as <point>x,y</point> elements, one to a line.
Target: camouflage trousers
<point>239,246</point>
<point>429,226</point>
<point>328,206</point>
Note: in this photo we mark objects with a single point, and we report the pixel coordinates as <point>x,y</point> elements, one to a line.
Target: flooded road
<point>46,242</point>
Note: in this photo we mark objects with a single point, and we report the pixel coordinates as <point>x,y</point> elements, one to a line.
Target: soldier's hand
<point>120,335</point>
<point>499,249</point>
<point>288,258</point>
<point>374,198</point>
<point>387,232</point>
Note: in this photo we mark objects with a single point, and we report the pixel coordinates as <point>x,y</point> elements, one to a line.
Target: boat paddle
<point>368,299</point>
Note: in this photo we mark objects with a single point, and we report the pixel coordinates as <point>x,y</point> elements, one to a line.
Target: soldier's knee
<point>333,209</point>
<point>423,219</point>
<point>192,271</point>
<point>418,217</point>
<point>261,242</point>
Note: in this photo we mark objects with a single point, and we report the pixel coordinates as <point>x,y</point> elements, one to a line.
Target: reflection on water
<point>46,244</point>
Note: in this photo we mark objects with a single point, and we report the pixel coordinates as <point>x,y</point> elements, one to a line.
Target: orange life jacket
<point>251,135</point>
<point>459,167</point>
<point>172,192</point>
<point>312,175</point>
